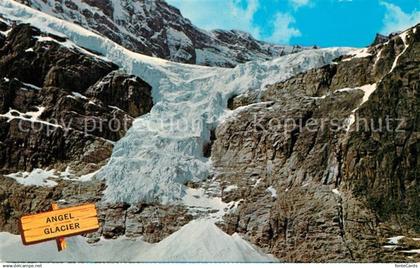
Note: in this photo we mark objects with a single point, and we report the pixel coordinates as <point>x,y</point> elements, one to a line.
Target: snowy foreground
<point>198,241</point>
<point>163,149</point>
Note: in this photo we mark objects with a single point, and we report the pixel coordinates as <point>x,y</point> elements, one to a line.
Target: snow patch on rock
<point>367,90</point>
<point>335,191</point>
<point>272,191</point>
<point>37,177</point>
<point>403,37</point>
<point>394,240</point>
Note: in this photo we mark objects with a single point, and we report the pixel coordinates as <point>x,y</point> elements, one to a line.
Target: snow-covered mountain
<point>155,28</point>
<point>164,149</point>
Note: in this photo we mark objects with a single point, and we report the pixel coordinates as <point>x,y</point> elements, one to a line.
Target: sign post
<point>61,242</point>
<point>58,223</point>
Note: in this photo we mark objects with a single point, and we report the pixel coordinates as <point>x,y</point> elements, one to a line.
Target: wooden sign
<point>58,223</point>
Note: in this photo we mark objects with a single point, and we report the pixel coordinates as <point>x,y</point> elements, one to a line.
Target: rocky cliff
<point>155,28</point>
<point>59,105</point>
<point>319,173</point>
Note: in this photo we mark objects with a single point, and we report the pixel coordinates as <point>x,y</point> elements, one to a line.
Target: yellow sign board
<point>58,223</point>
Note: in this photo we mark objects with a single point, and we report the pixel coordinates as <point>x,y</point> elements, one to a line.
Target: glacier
<point>164,149</point>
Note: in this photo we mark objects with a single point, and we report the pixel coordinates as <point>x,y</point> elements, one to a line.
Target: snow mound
<point>164,149</point>
<point>199,241</point>
<point>12,249</point>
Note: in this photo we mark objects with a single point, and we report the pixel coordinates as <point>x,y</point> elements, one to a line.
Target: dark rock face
<point>127,92</point>
<point>312,188</point>
<point>380,39</point>
<point>60,106</point>
<point>2,39</point>
<point>26,146</point>
<point>48,64</point>
<point>3,26</point>
<point>157,29</point>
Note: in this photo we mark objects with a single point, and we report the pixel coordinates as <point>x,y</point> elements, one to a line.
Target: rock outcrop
<point>60,105</point>
<point>127,92</point>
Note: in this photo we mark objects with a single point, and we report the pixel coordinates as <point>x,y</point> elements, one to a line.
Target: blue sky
<point>305,22</point>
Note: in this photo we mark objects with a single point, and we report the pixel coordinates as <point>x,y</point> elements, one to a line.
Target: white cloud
<point>299,3</point>
<point>221,14</point>
<point>396,19</point>
<point>283,29</point>
<point>296,4</point>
